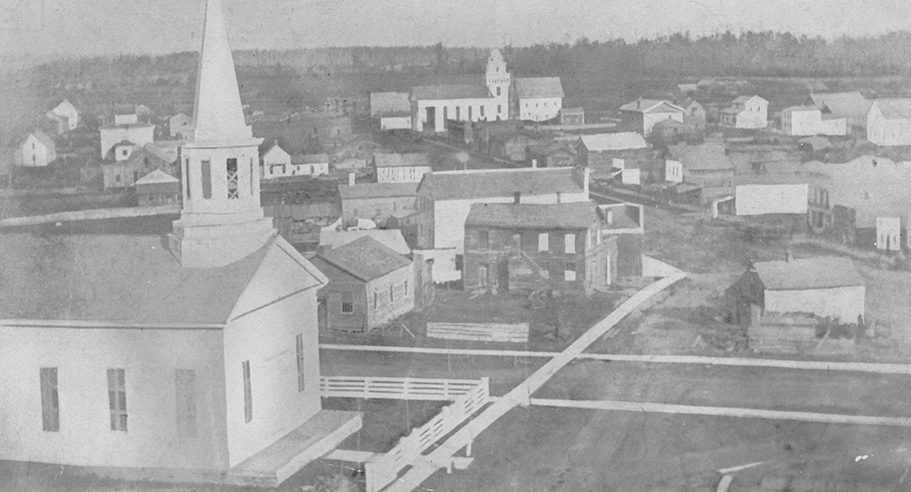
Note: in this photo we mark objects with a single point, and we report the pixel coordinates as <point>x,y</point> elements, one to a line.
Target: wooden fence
<point>384,469</point>
<point>396,388</point>
<point>481,332</point>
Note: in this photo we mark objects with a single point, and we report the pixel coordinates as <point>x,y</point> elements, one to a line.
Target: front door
<point>503,275</point>
<point>484,277</point>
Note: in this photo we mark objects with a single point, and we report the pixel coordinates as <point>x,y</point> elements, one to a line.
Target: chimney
<point>788,256</point>
<point>351,179</point>
<point>517,197</point>
<point>534,163</point>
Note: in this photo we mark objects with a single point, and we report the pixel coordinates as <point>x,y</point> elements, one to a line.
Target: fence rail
<point>384,469</point>
<point>482,332</point>
<point>396,388</point>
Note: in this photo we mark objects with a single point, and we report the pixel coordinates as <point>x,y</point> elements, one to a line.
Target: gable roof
<point>796,109</point>
<point>310,159</point>
<point>577,215</point>
<point>114,278</point>
<point>703,157</point>
<point>460,185</point>
<point>821,272</point>
<point>41,137</point>
<point>535,87</point>
<point>650,106</point>
<point>391,238</point>
<point>614,141</point>
<point>844,104</point>
<point>64,107</point>
<point>377,190</point>
<point>385,103</point>
<point>894,108</point>
<point>156,177</point>
<point>446,92</point>
<point>746,99</point>
<point>401,160</point>
<point>365,258</point>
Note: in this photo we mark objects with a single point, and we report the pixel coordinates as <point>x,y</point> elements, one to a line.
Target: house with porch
<point>529,247</point>
<point>157,189</point>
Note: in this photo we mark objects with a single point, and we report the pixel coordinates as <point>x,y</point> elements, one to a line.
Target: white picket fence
<point>396,388</point>
<point>482,332</point>
<point>384,469</point>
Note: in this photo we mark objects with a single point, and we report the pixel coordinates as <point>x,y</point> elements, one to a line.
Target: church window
<point>185,399</point>
<point>498,91</point>
<point>206,170</point>
<point>445,113</point>
<point>252,170</point>
<point>469,113</point>
<point>458,113</point>
<point>499,108</point>
<point>117,397</point>
<point>391,293</point>
<point>299,352</point>
<point>248,392</point>
<point>231,172</point>
<point>186,176</point>
<point>482,111</point>
<point>375,298</point>
<point>50,403</point>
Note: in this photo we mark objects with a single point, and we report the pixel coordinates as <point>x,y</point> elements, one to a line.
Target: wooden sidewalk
<point>521,394</point>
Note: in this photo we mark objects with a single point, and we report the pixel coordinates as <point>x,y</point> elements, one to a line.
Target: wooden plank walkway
<point>753,413</point>
<point>521,394</point>
<point>871,367</point>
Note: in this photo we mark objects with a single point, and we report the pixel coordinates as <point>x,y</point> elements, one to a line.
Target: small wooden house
<point>369,285</point>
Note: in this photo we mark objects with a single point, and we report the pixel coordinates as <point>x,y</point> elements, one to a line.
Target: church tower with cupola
<point>222,219</point>
<point>498,79</point>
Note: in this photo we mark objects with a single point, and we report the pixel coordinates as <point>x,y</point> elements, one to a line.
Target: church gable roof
<point>130,279</point>
<point>449,92</point>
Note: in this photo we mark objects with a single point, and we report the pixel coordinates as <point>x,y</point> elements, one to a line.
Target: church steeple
<point>221,220</point>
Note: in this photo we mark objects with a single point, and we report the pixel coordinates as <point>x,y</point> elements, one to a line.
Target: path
<point>521,394</point>
<point>871,367</point>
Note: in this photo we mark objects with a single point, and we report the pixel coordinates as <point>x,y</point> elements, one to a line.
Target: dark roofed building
<point>369,285</point>
<point>852,106</point>
<point>557,247</point>
<point>705,165</point>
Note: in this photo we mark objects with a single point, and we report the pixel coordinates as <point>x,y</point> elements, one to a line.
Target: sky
<point>88,27</point>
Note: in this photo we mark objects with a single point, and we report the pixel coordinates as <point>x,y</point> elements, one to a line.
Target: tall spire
<point>221,220</point>
<point>217,112</point>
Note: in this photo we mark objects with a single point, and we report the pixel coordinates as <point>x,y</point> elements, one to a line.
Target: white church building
<point>191,356</point>
<point>433,105</point>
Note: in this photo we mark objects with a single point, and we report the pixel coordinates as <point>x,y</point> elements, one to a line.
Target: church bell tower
<point>222,220</point>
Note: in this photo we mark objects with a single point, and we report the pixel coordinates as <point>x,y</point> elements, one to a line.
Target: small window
<point>569,243</point>
<point>117,398</point>
<point>248,392</point>
<point>376,298</point>
<point>50,401</point>
<point>347,303</point>
<point>299,351</point>
<point>116,178</point>
<point>406,287</point>
<point>543,241</point>
<point>499,108</point>
<point>483,240</point>
<point>206,170</point>
<point>482,111</point>
<point>391,293</point>
<point>185,399</point>
<point>459,262</point>
<point>498,89</point>
<point>569,272</point>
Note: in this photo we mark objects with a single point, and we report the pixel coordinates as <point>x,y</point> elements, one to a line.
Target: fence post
<point>485,391</point>
<point>366,388</point>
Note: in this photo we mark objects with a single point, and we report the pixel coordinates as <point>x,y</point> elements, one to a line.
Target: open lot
<point>547,449</point>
